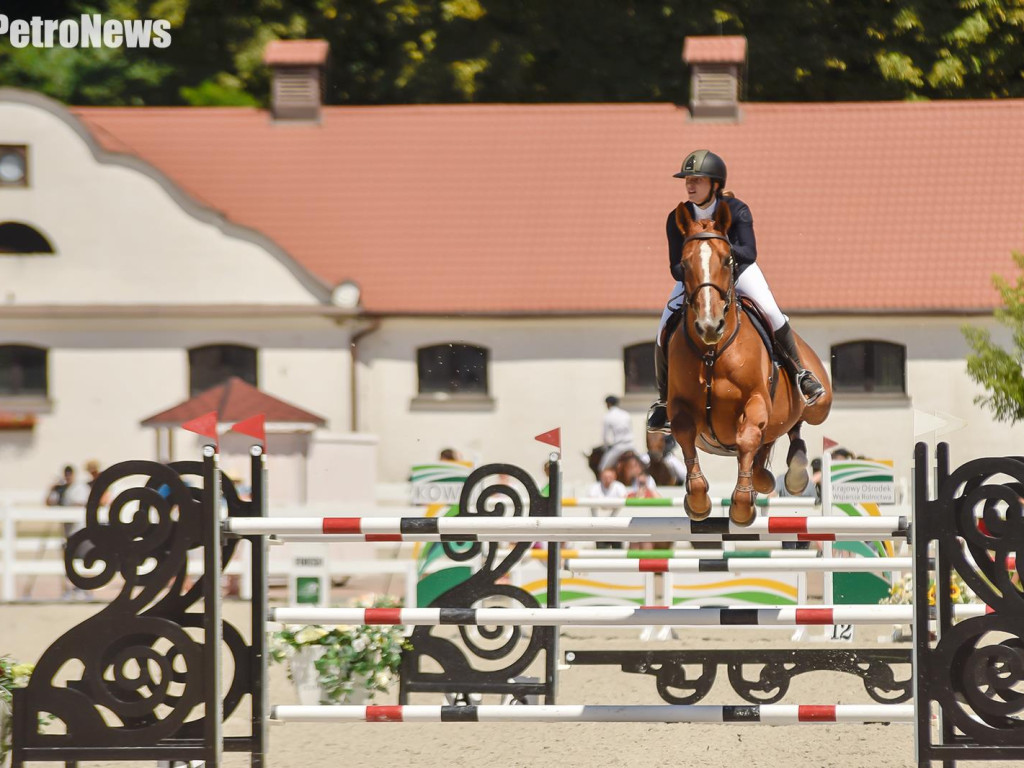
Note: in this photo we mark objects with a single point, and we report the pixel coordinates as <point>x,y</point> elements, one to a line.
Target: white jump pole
<point>740,565</point>
<point>560,529</point>
<point>583,616</point>
<point>767,714</point>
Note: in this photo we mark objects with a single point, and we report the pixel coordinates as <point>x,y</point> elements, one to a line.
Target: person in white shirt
<point>608,487</point>
<point>617,433</point>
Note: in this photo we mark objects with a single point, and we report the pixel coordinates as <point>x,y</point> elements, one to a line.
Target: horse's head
<point>707,266</point>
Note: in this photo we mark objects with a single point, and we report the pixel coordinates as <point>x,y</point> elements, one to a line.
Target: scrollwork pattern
<point>140,657</point>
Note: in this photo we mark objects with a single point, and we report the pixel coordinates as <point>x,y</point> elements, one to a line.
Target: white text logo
<point>88,31</point>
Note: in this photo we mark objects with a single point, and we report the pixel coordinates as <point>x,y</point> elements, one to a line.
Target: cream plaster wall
<point>119,234</point>
<point>556,372</point>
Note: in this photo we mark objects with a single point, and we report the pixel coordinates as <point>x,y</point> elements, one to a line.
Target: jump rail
<point>768,714</point>
<point>427,529</point>
<point>971,529</point>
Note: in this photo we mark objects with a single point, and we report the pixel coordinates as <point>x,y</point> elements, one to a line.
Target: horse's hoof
<point>693,515</point>
<point>764,481</point>
<point>742,520</point>
<point>797,452</point>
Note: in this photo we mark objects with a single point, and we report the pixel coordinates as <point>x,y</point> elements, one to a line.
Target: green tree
<point>444,51</point>
<point>1001,371</point>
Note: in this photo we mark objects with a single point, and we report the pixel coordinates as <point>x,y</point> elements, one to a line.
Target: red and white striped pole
<point>767,714</point>
<point>426,529</point>
<point>583,616</point>
<point>741,565</point>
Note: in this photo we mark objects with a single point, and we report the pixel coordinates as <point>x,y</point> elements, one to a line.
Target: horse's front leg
<point>749,436</point>
<point>696,502</point>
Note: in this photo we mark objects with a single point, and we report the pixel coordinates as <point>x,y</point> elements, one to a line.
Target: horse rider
<point>616,433</point>
<point>704,173</point>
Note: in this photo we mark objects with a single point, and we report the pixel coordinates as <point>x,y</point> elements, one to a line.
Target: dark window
<point>13,165</point>
<point>638,362</point>
<point>21,238</point>
<point>22,370</point>
<point>452,368</point>
<point>869,366</point>
<point>215,364</point>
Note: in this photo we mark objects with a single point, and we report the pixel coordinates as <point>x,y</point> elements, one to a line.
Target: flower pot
<point>303,672</point>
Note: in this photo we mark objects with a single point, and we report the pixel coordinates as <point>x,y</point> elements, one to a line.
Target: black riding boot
<point>806,381</point>
<point>657,416</point>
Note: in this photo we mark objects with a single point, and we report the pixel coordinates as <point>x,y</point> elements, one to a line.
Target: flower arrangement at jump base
<point>12,675</point>
<point>341,664</point>
<point>902,591</point>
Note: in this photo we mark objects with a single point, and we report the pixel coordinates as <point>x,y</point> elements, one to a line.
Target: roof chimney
<point>298,75</point>
<point>716,71</point>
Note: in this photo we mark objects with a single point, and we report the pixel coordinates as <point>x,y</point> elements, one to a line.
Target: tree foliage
<point>998,370</point>
<point>408,51</point>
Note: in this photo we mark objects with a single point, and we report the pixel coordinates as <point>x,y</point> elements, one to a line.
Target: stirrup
<point>657,418</point>
<point>817,390</point>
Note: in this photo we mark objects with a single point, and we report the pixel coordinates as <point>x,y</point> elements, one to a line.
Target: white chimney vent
<point>716,75</point>
<point>298,78</point>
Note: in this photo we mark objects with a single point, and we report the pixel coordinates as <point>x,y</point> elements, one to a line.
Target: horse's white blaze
<point>705,277</point>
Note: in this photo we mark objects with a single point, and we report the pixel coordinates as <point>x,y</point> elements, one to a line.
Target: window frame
<point>34,401</point>
<point>636,391</point>
<point>452,398</point>
<point>868,388</point>
<point>193,391</point>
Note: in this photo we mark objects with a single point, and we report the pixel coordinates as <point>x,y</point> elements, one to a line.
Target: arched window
<point>23,371</point>
<point>638,365</point>
<point>216,363</point>
<point>21,238</point>
<point>452,368</point>
<point>877,367</point>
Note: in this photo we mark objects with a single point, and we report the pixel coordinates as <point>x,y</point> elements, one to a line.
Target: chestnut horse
<point>725,395</point>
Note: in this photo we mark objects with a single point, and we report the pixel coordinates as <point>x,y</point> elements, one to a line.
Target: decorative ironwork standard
<point>970,673</point>
<point>503,653</point>
<point>127,682</point>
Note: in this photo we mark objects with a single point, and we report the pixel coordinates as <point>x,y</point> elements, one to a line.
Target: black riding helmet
<point>703,162</point>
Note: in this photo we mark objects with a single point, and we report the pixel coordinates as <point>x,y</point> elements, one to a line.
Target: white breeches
<point>751,284</point>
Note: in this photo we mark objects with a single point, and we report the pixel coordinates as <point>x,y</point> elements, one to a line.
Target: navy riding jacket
<point>740,234</point>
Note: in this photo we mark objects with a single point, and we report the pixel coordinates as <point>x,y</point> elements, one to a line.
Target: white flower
<point>359,645</point>
<point>382,678</point>
<point>309,635</point>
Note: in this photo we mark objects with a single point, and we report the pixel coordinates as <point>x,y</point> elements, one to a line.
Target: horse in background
<point>726,394</point>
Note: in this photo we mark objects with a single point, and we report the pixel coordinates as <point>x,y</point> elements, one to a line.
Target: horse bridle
<point>710,356</point>
<point>727,294</point>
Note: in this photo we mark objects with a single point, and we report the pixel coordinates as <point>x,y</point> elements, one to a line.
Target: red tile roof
<point>727,49</point>
<point>234,400</point>
<point>295,52</point>
<point>561,208</point>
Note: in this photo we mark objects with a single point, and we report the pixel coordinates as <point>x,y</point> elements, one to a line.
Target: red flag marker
<point>551,437</point>
<point>827,443</point>
<point>205,425</point>
<point>254,426</point>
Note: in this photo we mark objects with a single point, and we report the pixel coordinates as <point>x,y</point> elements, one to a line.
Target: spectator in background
<point>71,493</point>
<point>639,484</point>
<point>608,487</point>
<point>616,432</point>
<point>449,454</point>
<point>55,496</point>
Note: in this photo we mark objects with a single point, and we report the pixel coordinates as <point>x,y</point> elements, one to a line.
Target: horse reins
<point>710,356</point>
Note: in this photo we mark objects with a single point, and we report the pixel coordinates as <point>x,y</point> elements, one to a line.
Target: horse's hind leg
<point>764,480</point>
<point>796,478</point>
